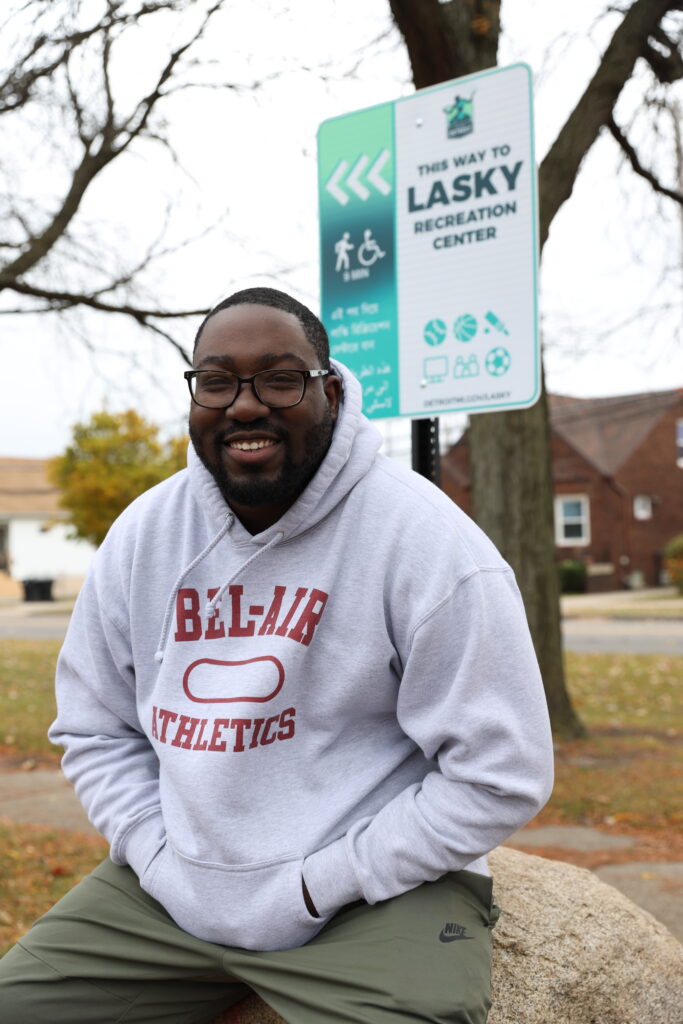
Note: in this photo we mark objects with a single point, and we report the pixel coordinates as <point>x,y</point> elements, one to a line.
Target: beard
<point>291,479</point>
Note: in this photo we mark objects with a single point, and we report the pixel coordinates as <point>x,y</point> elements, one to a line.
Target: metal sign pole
<point>425,449</point>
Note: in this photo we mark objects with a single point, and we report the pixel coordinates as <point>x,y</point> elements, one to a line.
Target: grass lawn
<point>27,702</point>
<point>629,771</point>
<point>627,775</point>
<point>37,867</point>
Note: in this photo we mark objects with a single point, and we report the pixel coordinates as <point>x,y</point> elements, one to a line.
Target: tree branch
<point>78,299</point>
<point>59,301</point>
<point>665,61</point>
<point>559,169</point>
<point>113,139</point>
<point>635,163</point>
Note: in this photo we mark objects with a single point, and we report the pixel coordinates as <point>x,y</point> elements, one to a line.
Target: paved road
<point>624,636</point>
<point>35,625</point>
<point>621,636</point>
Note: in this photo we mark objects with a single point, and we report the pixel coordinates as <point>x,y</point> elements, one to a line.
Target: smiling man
<point>261,453</point>
<point>299,698</point>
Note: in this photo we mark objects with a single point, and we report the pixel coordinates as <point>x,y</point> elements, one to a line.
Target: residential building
<point>617,468</point>
<point>35,542</point>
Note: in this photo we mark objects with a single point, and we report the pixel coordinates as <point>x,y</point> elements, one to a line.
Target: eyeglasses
<point>278,389</point>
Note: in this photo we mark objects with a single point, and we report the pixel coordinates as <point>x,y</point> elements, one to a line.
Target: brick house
<point>618,483</point>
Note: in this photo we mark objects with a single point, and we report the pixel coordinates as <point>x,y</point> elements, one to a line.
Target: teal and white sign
<point>429,247</point>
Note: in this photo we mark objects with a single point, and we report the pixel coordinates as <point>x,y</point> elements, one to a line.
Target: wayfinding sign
<point>429,247</point>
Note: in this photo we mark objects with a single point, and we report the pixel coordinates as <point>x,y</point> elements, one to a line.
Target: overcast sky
<point>252,159</point>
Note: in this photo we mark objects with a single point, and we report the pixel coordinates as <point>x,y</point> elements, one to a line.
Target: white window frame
<point>642,507</point>
<point>561,520</point>
<point>679,443</point>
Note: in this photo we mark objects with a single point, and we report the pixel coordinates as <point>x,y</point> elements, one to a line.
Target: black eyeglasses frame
<point>190,375</point>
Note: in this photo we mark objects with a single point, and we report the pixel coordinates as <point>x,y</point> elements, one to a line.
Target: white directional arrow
<point>373,174</point>
<point>333,184</point>
<point>353,182</point>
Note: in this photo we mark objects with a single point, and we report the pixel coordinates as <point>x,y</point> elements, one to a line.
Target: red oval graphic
<point>258,687</point>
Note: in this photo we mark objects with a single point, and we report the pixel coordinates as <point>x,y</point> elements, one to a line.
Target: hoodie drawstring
<point>229,520</point>
<point>211,605</point>
<point>216,599</point>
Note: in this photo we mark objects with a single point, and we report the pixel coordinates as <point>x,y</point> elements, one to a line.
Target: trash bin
<point>37,590</point>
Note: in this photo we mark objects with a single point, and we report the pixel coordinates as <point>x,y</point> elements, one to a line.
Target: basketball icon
<point>465,327</point>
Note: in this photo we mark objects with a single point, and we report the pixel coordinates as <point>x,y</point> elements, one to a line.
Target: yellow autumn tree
<point>112,459</point>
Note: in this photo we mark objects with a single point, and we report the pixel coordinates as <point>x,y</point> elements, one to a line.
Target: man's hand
<point>310,905</point>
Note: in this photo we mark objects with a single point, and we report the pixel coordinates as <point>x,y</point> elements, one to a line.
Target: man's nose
<point>247,406</point>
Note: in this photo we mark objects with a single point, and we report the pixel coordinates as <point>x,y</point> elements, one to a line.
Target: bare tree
<point>68,102</point>
<point>510,451</point>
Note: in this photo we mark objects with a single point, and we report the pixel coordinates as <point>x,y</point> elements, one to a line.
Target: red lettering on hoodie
<point>188,621</point>
<point>287,724</point>
<point>166,716</point>
<point>215,627</point>
<point>309,618</point>
<point>270,621</point>
<point>266,738</point>
<point>187,726</point>
<point>236,627</point>
<point>188,731</point>
<point>215,742</point>
<point>282,628</point>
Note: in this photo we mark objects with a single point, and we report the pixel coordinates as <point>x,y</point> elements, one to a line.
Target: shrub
<point>673,561</point>
<point>572,576</point>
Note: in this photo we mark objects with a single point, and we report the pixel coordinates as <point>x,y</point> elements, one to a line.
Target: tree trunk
<point>512,493</point>
<point>512,499</point>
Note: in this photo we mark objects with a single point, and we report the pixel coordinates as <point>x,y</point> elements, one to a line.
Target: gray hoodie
<point>351,695</point>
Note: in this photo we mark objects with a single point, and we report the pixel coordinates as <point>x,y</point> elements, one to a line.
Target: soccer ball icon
<point>498,361</point>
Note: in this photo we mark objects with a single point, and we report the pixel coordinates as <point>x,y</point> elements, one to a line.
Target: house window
<point>572,520</point>
<point>679,443</point>
<point>642,507</point>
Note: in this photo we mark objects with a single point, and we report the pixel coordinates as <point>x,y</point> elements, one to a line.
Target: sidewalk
<point>44,797</point>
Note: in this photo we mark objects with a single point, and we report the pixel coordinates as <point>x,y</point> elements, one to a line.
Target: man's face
<point>261,484</point>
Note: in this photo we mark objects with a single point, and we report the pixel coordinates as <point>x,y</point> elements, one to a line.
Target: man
<point>299,698</point>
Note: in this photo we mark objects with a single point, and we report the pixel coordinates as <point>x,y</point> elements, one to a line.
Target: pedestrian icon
<point>342,248</point>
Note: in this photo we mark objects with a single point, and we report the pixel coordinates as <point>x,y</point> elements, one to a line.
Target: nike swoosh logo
<point>453,938</point>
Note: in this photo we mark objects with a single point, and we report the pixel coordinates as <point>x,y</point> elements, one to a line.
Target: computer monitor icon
<point>435,369</point>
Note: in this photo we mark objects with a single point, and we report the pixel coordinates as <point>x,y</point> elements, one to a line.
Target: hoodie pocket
<point>256,906</point>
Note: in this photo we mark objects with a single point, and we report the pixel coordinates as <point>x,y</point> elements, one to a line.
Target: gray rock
<point>570,949</point>
<point>567,949</point>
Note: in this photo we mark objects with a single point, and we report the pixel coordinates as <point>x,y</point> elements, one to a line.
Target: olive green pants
<point>108,952</point>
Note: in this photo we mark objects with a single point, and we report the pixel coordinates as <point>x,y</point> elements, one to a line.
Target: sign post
<point>429,247</point>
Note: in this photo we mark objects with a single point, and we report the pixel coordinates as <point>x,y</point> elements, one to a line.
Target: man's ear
<point>333,391</point>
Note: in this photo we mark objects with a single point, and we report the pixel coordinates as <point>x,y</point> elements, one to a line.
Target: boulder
<point>567,949</point>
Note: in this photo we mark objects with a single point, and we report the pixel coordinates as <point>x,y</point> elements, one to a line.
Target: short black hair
<point>312,326</point>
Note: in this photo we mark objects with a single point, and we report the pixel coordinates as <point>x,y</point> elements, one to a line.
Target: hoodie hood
<point>352,451</point>
<point>354,446</point>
